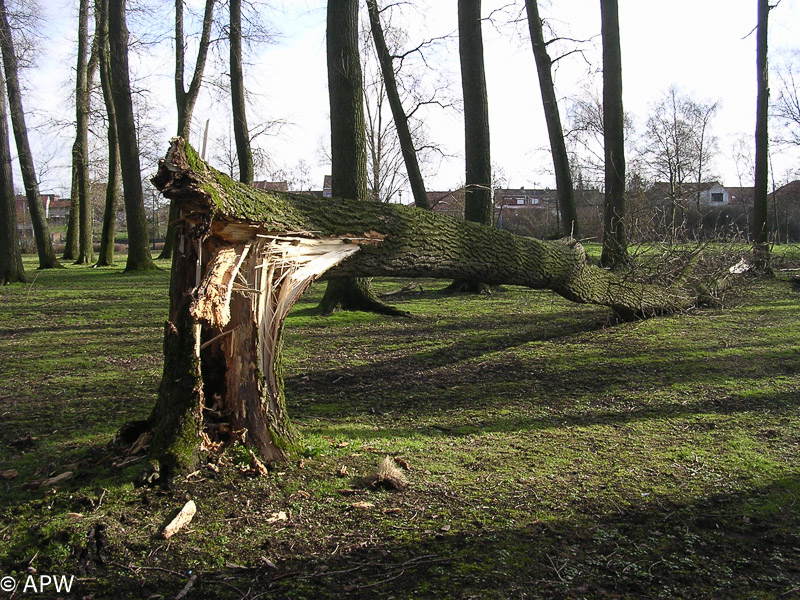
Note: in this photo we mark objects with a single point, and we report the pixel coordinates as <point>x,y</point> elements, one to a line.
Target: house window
<point>535,200</point>
<point>520,199</point>
<point>717,197</point>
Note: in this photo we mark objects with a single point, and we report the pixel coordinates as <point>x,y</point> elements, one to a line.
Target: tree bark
<point>248,255</point>
<point>478,193</point>
<point>185,99</point>
<point>106,254</point>
<point>398,113</point>
<point>80,150</point>
<point>139,257</point>
<point>73,221</point>
<point>241,132</point>
<point>41,231</point>
<point>348,142</point>
<point>615,237</point>
<point>564,187</point>
<point>760,221</point>
<point>478,183</point>
<point>11,267</point>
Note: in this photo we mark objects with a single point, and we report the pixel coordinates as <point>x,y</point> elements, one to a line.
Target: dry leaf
<point>393,511</point>
<point>363,505</point>
<point>9,474</point>
<point>342,471</point>
<point>74,515</point>
<point>401,463</point>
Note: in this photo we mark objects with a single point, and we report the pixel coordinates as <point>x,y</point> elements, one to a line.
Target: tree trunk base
<point>355,294</point>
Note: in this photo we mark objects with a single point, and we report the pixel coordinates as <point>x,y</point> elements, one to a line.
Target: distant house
<point>711,193</point>
<point>325,192</point>
<point>525,199</point>
<point>740,196</point>
<point>449,202</point>
<point>56,210</point>
<point>789,193</point>
<point>523,207</point>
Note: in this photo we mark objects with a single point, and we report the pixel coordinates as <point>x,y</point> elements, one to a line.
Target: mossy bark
<point>260,250</point>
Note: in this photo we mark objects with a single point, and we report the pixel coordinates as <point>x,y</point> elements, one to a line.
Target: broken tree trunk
<point>245,256</point>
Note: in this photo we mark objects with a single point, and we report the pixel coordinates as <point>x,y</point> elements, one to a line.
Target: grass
<point>550,453</point>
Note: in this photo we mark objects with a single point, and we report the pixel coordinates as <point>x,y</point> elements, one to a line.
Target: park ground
<point>549,452</point>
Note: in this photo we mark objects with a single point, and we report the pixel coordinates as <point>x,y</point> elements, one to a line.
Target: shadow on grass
<point>735,546</point>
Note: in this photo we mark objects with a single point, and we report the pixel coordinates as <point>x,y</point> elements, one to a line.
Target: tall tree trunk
<point>250,254</point>
<point>44,244</point>
<point>11,267</point>
<point>398,113</point>
<point>106,254</point>
<point>80,151</point>
<point>564,187</point>
<point>139,257</point>
<point>185,99</point>
<point>241,132</point>
<point>615,237</point>
<point>760,223</point>
<point>348,142</point>
<point>478,184</point>
<point>478,193</point>
<point>73,221</point>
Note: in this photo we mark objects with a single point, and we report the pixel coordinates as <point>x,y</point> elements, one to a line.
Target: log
<point>245,256</point>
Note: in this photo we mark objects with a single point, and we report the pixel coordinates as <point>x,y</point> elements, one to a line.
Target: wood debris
<point>48,482</point>
<point>362,505</point>
<point>278,516</point>
<point>181,520</point>
<point>141,444</point>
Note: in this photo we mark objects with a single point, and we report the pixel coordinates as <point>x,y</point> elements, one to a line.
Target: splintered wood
<point>246,291</point>
<point>288,266</point>
<point>280,269</point>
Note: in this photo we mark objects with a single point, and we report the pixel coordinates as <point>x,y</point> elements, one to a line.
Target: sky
<point>702,46</point>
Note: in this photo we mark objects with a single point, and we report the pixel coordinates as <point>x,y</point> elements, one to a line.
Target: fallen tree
<point>245,256</point>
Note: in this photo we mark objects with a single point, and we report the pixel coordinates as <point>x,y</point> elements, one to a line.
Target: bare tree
<point>615,240</point>
<point>80,150</point>
<point>558,148</point>
<point>106,254</point>
<point>44,243</point>
<point>786,108</point>
<point>760,190</point>
<point>139,257</point>
<point>399,115</point>
<point>239,105</point>
<point>678,148</point>
<point>11,267</point>
<point>348,143</point>
<point>186,98</point>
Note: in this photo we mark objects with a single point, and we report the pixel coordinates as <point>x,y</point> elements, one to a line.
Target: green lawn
<point>550,453</point>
